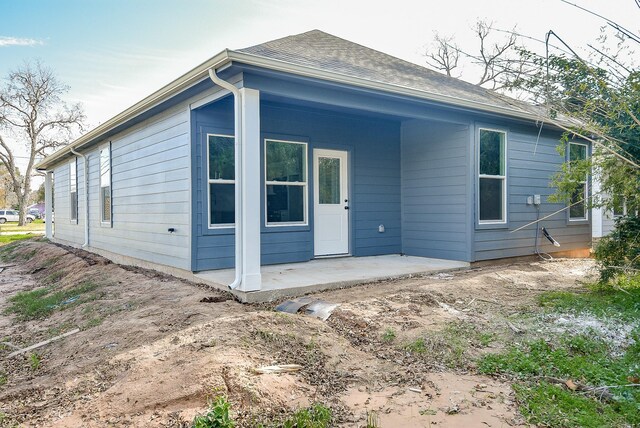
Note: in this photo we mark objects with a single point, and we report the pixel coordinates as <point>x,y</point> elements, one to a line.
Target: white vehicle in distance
<point>12,215</point>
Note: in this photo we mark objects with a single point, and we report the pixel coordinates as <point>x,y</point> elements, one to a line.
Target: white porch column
<point>48,204</point>
<point>251,185</point>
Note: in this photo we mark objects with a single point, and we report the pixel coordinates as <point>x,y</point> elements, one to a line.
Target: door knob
<point>346,208</point>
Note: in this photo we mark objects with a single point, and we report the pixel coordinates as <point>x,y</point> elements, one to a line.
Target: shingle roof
<point>326,52</point>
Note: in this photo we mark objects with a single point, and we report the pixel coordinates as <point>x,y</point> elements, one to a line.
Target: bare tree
<point>34,116</point>
<point>496,60</point>
<point>444,55</point>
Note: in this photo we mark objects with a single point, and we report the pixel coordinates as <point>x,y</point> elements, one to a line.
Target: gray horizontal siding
<point>530,165</point>
<point>150,173</point>
<point>435,190</point>
<point>64,228</point>
<point>374,151</point>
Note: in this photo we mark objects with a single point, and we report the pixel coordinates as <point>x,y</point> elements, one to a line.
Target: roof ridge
<point>426,70</point>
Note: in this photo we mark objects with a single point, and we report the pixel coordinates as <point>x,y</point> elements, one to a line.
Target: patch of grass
<point>389,335</point>
<point>217,416</point>
<point>54,278</point>
<point>5,239</point>
<point>3,378</point>
<point>619,300</point>
<point>93,322</point>
<point>418,346</point>
<point>316,416</point>
<point>486,339</point>
<point>41,302</point>
<point>553,406</point>
<point>34,361</point>
<point>12,226</point>
<point>586,361</point>
<point>450,346</point>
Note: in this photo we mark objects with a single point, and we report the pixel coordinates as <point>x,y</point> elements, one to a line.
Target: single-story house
<point>312,146</point>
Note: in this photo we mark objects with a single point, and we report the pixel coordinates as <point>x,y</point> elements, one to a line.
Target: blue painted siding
<point>530,166</point>
<point>435,189</point>
<point>373,145</point>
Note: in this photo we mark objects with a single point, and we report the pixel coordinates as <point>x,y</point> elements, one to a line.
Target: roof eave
<point>185,81</point>
<point>312,72</point>
<point>200,73</point>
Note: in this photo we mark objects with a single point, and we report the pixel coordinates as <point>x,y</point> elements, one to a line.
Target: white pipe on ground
<point>85,177</point>
<point>238,172</point>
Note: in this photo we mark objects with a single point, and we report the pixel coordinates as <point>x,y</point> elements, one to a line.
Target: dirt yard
<point>152,348</point>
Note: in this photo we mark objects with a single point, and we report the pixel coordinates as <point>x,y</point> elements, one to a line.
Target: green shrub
<point>217,416</point>
<point>620,250</point>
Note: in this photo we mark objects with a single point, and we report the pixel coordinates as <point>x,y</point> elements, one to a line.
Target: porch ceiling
<point>292,279</point>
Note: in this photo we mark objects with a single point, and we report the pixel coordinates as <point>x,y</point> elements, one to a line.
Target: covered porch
<point>326,171</point>
<point>293,279</point>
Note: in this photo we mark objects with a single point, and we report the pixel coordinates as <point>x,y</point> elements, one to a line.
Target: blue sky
<point>112,53</point>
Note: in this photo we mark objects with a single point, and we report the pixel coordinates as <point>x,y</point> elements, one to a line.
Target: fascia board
<point>185,81</point>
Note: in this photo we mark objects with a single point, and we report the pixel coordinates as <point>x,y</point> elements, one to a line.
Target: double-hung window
<point>286,182</point>
<point>221,179</point>
<point>106,209</point>
<point>492,176</point>
<point>73,190</point>
<point>578,209</point>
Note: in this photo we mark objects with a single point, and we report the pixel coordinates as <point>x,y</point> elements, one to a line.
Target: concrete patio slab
<point>295,279</point>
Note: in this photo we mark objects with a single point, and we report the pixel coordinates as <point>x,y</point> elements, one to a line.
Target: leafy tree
<point>598,100</point>
<point>33,116</point>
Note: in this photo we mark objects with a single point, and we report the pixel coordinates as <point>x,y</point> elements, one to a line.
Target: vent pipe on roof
<point>238,172</point>
<point>85,177</point>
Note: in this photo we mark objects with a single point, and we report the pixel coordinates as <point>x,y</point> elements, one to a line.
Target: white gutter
<point>86,195</point>
<point>238,171</point>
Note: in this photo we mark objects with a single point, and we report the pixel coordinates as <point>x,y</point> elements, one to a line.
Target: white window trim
<point>586,184</point>
<point>219,181</point>
<point>503,177</point>
<point>73,162</point>
<point>106,223</point>
<point>305,184</point>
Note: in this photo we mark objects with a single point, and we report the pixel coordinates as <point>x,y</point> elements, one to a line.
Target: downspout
<point>86,196</point>
<point>238,172</point>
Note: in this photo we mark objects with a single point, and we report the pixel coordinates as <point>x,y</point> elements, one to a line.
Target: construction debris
<point>313,307</point>
<point>282,368</point>
<point>43,343</point>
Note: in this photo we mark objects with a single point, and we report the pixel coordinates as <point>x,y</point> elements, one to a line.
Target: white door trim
<point>331,226</point>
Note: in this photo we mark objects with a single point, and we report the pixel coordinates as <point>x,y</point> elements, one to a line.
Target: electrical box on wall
<point>536,199</point>
<point>529,200</point>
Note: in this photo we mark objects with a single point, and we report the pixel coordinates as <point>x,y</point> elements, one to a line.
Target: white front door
<point>331,202</point>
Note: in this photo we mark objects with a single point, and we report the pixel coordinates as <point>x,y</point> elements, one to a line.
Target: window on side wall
<point>106,208</point>
<point>578,203</point>
<point>73,190</point>
<point>492,177</point>
<point>221,179</point>
<point>286,182</point>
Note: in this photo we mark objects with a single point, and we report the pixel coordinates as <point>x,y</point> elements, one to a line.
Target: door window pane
<point>285,204</point>
<point>491,204</point>
<point>329,180</point>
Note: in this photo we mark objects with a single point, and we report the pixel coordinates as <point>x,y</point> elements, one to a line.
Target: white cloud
<point>18,41</point>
